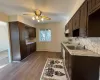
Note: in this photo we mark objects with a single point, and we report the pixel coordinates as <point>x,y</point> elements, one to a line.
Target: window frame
<point>45,40</point>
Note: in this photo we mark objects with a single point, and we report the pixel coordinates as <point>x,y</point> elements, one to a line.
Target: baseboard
<point>49,51</point>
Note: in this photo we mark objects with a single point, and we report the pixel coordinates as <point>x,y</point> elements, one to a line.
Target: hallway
<point>28,69</point>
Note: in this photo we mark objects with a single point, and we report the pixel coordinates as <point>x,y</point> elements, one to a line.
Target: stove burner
<point>58,66</point>
<point>57,61</point>
<point>58,73</point>
<point>49,65</point>
<point>49,72</point>
<point>52,62</point>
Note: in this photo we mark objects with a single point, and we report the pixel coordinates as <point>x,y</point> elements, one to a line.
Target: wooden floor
<point>28,69</point>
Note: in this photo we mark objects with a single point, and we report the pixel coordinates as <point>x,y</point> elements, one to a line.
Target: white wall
<point>57,30</point>
<point>4,40</point>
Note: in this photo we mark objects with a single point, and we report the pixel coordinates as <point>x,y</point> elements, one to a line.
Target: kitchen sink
<point>75,47</point>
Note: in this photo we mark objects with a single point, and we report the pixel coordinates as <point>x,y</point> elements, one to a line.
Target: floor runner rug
<point>53,70</point>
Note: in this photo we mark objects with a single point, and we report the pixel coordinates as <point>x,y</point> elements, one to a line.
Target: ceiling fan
<point>37,15</point>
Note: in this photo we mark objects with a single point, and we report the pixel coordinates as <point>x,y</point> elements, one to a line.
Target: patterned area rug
<point>53,70</point>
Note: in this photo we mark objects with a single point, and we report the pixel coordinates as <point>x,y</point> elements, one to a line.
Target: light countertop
<point>84,52</point>
<point>27,43</point>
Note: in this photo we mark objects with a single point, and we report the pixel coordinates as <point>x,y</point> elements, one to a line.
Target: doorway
<point>5,56</point>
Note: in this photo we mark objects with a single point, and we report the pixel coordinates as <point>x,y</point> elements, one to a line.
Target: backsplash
<point>91,43</point>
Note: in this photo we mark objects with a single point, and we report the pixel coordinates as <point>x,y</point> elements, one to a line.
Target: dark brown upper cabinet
<point>31,31</point>
<point>97,1</point>
<point>76,19</point>
<point>70,24</point>
<point>83,20</point>
<point>66,27</point>
<point>93,5</point>
<point>86,20</point>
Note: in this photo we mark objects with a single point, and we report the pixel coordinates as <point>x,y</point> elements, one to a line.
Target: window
<point>45,35</point>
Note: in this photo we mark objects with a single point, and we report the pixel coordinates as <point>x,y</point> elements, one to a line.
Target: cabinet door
<point>70,65</point>
<point>70,28</point>
<point>14,36</point>
<point>28,50</point>
<point>76,19</point>
<point>97,1</point>
<point>30,32</point>
<point>93,3</point>
<point>66,59</point>
<point>34,33</point>
<point>83,20</point>
<point>66,27</point>
<point>89,6</point>
<point>34,47</point>
<point>97,4</point>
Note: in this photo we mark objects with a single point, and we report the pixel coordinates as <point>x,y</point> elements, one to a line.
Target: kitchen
<point>52,42</point>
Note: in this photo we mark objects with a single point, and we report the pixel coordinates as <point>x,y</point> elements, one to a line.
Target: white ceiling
<point>58,10</point>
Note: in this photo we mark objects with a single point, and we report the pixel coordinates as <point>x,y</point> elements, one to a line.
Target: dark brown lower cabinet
<point>28,50</point>
<point>31,48</point>
<point>82,67</point>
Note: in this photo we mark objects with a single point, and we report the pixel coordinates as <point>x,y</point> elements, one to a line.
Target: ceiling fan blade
<point>30,14</point>
<point>47,18</point>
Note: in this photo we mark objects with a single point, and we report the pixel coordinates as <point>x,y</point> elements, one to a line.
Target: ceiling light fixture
<point>42,19</point>
<point>37,15</point>
<point>33,18</point>
<point>38,20</point>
